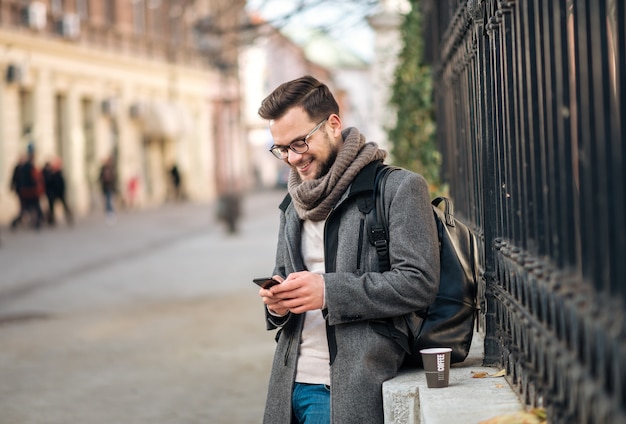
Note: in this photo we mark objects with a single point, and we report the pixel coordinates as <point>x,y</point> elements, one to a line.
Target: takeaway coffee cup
<point>437,366</point>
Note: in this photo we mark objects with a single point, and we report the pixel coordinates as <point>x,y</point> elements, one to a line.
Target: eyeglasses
<point>297,146</point>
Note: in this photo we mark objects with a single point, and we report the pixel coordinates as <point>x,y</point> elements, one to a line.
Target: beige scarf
<point>314,199</point>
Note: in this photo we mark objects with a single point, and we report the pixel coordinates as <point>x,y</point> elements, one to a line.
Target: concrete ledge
<point>467,400</point>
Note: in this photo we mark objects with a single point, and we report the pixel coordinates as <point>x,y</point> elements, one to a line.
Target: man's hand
<point>272,302</point>
<point>300,292</point>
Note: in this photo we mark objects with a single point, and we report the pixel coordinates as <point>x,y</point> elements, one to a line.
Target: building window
<point>139,16</point>
<point>156,17</point>
<point>60,108</point>
<point>109,11</point>
<point>26,115</point>
<point>57,7</point>
<point>82,8</point>
<point>176,24</point>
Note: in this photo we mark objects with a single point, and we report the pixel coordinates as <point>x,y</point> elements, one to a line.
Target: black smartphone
<point>266,282</point>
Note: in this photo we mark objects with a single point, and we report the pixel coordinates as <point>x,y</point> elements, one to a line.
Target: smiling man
<point>330,362</point>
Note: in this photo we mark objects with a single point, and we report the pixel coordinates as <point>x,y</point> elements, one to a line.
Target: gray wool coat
<point>357,294</point>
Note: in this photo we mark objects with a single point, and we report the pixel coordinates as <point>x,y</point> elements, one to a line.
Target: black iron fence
<point>531,110</point>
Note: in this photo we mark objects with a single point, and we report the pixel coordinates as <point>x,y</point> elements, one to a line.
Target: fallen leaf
<point>483,374</point>
<point>500,373</point>
<point>540,412</point>
<point>534,416</point>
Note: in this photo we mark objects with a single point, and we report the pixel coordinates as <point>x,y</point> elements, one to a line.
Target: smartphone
<point>266,282</point>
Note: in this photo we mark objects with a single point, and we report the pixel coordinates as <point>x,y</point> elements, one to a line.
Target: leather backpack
<point>449,320</point>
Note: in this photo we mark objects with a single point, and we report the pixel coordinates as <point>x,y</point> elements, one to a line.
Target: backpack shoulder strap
<point>364,184</point>
<point>448,210</point>
<point>377,223</point>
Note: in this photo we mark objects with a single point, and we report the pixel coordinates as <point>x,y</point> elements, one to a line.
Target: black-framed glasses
<point>297,146</point>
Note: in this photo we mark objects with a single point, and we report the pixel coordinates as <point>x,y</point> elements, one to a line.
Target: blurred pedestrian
<point>108,184</point>
<point>176,181</point>
<point>132,187</point>
<point>29,185</point>
<point>55,190</point>
<point>229,210</point>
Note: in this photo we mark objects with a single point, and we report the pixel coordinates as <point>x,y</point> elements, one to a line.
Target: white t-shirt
<point>314,358</point>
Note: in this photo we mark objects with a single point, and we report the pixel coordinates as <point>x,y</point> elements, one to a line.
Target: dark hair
<point>307,92</point>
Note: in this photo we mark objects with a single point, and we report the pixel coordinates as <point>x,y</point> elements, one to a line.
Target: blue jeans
<point>311,403</point>
<point>108,201</point>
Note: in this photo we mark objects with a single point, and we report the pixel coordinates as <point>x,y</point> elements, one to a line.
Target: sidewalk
<point>153,320</point>
<point>466,400</point>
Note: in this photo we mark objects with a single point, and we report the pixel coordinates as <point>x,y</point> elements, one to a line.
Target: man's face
<point>324,143</point>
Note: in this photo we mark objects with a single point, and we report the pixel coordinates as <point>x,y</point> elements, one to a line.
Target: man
<point>330,361</point>
<point>55,190</point>
<point>29,186</point>
<point>108,184</point>
<point>176,180</point>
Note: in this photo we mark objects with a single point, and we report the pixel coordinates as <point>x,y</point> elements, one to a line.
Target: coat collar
<point>364,181</point>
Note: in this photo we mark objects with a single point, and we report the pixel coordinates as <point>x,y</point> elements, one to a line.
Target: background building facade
<point>149,83</point>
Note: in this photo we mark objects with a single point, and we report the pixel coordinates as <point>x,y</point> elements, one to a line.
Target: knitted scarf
<point>314,199</point>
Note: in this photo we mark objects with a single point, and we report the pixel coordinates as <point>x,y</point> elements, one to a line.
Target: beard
<point>330,160</point>
<point>327,164</point>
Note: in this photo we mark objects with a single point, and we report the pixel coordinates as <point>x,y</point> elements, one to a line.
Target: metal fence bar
<point>531,102</point>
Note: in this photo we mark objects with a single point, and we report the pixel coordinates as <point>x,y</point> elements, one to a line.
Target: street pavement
<point>151,320</point>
